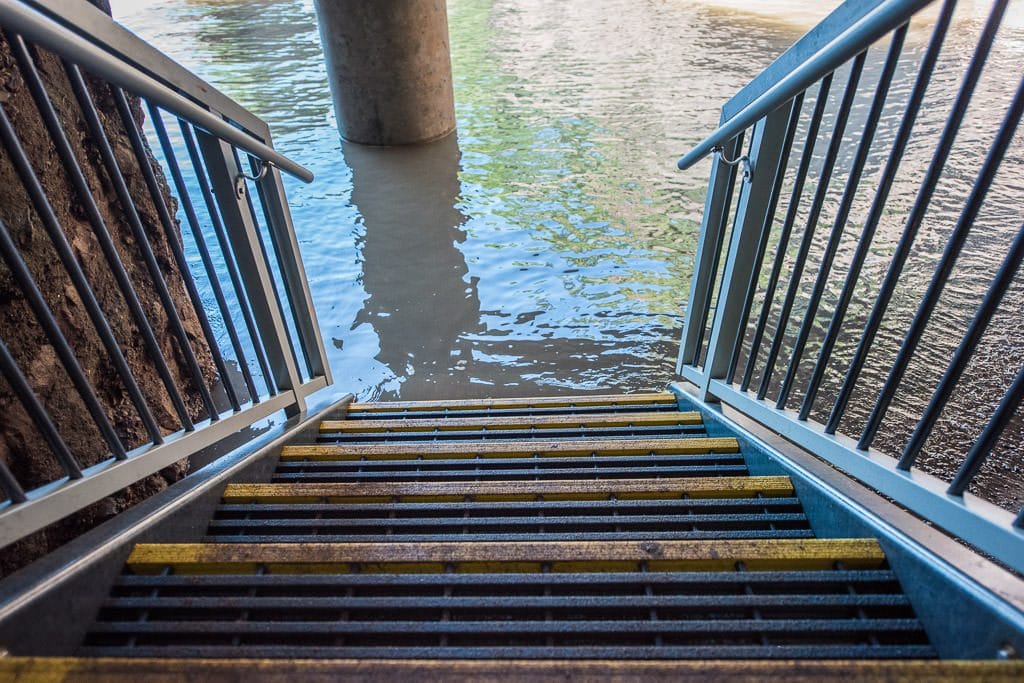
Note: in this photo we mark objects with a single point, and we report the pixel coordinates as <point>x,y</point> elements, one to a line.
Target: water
<point>548,247</point>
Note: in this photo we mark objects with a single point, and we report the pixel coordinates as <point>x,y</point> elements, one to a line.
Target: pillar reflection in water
<point>420,300</point>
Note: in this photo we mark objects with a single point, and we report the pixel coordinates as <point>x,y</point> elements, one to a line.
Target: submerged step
<point>755,555</point>
<point>514,449</point>
<point>513,403</point>
<point>583,421</point>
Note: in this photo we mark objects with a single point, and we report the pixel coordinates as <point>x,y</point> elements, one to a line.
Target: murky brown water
<point>548,248</point>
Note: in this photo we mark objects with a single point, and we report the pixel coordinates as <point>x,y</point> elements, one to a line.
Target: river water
<point>547,248</point>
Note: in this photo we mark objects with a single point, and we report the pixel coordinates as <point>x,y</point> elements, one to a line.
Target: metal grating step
<point>565,404</point>
<point>644,614</point>
<point>604,433</point>
<point>518,470</point>
<point>564,510</point>
<point>580,448</point>
<point>512,411</point>
<point>516,424</point>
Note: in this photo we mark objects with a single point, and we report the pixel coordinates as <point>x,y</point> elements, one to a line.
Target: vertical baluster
<point>942,272</point>
<point>989,436</point>
<point>56,234</point>
<point>204,253</point>
<point>843,213</point>
<point>997,290</point>
<point>27,284</point>
<point>247,196</point>
<point>229,265</point>
<point>795,108</point>
<point>787,228</point>
<point>917,213</point>
<point>747,234</point>
<point>709,248</point>
<point>230,192</point>
<point>172,237</point>
<point>12,373</point>
<point>10,485</point>
<point>892,165</point>
<point>286,246</point>
<point>824,178</point>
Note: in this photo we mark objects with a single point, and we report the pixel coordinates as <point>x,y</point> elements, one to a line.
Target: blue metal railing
<point>236,283</point>
<point>731,316</point>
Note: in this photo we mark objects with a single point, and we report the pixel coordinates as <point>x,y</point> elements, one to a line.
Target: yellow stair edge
<point>506,449</point>
<point>531,556</point>
<point>501,403</point>
<point>97,670</point>
<point>601,489</point>
<point>592,420</point>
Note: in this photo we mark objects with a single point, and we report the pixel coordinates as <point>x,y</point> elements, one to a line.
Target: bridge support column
<point>390,69</point>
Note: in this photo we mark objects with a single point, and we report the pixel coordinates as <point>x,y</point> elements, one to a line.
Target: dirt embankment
<point>20,447</point>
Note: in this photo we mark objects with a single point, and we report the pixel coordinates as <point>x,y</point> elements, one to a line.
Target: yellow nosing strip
<point>514,449</point>
<point>167,670</point>
<point>602,489</point>
<point>575,556</point>
<point>501,403</point>
<point>661,419</point>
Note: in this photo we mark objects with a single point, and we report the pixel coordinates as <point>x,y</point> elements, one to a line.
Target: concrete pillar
<point>390,69</point>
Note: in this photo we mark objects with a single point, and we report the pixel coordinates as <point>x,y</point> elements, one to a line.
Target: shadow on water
<point>419,300</point>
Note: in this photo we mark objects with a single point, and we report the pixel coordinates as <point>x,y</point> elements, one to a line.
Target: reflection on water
<point>548,247</point>
<point>420,300</point>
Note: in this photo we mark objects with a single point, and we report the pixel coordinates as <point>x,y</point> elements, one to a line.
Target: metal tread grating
<point>837,613</point>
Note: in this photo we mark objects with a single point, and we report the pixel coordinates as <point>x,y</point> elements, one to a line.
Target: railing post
<point>282,232</point>
<point>751,227</point>
<point>712,227</point>
<point>219,158</point>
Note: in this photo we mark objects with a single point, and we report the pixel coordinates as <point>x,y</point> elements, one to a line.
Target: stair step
<point>521,449</point>
<point>552,490</point>
<point>839,581</point>
<point>88,670</point>
<point>791,627</point>
<point>756,555</point>
<point>508,403</point>
<point>533,434</point>
<point>327,651</point>
<point>348,611</point>
<point>527,470</point>
<point>525,511</point>
<point>584,421</point>
<point>510,411</point>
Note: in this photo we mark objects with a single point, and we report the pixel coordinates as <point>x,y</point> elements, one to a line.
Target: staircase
<point>597,527</point>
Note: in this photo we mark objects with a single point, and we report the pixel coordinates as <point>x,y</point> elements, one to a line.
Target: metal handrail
<point>48,33</point>
<point>718,338</point>
<point>811,68</point>
<point>264,286</point>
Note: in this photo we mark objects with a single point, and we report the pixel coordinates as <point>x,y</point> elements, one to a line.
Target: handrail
<point>50,34</point>
<point>811,68</point>
<point>782,328</point>
<point>218,256</point>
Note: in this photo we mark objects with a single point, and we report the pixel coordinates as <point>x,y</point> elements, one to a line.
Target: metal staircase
<point>594,527</point>
<point>618,537</point>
